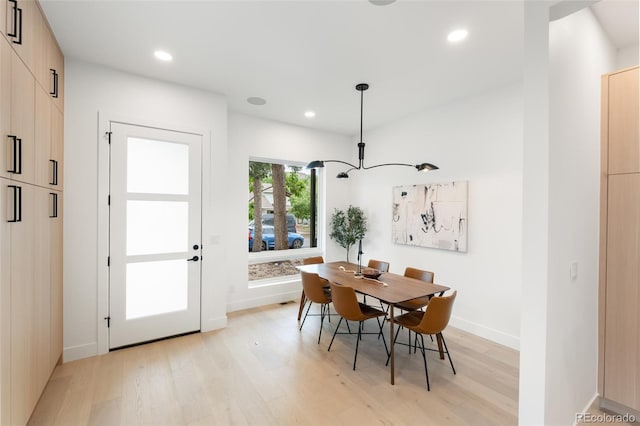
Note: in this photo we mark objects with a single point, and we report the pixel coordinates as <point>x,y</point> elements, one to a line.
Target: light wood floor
<point>261,370</point>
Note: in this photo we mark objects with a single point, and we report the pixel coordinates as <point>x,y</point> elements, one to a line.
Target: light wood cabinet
<point>5,107</point>
<point>623,138</point>
<point>21,29</point>
<point>31,151</point>
<point>22,136</point>
<point>619,293</point>
<point>5,302</point>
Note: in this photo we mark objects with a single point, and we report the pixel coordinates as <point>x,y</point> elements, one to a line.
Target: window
<point>282,219</point>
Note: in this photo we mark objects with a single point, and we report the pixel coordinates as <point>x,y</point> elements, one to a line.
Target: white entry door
<point>155,234</point>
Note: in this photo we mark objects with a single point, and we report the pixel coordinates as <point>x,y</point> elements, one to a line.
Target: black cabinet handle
<point>193,259</point>
<point>17,23</point>
<point>54,172</point>
<point>55,83</point>
<point>17,203</point>
<point>17,155</point>
<point>54,205</point>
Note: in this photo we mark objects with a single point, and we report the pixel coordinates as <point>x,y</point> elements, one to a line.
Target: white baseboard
<point>213,324</point>
<point>488,333</point>
<point>263,300</point>
<point>78,352</point>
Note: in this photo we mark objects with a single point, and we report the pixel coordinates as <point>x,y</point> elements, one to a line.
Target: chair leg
<point>394,339</point>
<point>424,358</point>
<point>334,334</point>
<point>381,334</point>
<point>355,358</point>
<point>322,315</point>
<point>307,313</point>
<point>448,354</point>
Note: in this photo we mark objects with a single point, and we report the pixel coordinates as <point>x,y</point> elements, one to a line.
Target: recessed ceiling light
<point>381,2</point>
<point>254,100</point>
<point>163,56</point>
<point>309,114</point>
<point>457,35</point>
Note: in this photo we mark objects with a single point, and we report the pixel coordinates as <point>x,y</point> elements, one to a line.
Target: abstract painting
<point>432,215</point>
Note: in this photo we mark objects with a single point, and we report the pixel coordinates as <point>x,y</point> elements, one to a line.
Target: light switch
<point>574,271</point>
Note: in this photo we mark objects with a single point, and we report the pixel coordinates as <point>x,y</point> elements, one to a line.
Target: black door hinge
<point>108,261</point>
<point>108,321</point>
<point>109,137</point>
<point>108,200</point>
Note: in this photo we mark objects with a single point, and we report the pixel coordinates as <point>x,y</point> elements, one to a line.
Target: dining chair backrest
<point>379,265</point>
<point>345,302</point>
<point>419,274</point>
<point>313,260</point>
<point>436,317</point>
<point>313,287</point>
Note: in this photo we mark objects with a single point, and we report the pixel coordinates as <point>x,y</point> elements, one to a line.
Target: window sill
<point>275,255</point>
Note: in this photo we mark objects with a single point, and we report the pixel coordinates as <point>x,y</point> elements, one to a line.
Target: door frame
<point>102,309</point>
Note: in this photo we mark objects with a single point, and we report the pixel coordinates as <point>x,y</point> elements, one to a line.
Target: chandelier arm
<point>343,162</point>
<point>388,164</point>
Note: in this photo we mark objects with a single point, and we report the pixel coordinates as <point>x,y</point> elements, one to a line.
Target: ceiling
<point>306,54</point>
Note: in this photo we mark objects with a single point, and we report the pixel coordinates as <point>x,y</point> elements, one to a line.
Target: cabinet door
<point>41,264</point>
<point>22,121</point>
<point>43,165</point>
<point>3,16</point>
<point>624,128</point>
<point>5,107</point>
<point>56,165</point>
<point>56,73</point>
<point>6,203</point>
<point>622,318</point>
<point>55,245</point>
<point>23,316</point>
<point>24,29</point>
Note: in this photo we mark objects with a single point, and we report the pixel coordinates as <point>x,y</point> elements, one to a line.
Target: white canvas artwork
<point>432,215</point>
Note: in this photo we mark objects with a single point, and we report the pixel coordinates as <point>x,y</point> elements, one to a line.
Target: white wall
<point>580,53</point>
<point>627,57</point>
<point>478,139</point>
<point>255,138</point>
<point>95,94</point>
<point>90,89</point>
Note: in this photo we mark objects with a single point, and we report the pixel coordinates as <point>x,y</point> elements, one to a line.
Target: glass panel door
<point>155,234</point>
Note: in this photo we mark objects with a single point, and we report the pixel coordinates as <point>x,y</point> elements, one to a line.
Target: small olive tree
<point>348,227</point>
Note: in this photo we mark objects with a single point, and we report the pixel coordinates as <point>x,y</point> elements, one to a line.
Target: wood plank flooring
<point>261,370</point>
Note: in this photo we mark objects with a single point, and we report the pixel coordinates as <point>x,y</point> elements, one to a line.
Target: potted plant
<point>346,228</point>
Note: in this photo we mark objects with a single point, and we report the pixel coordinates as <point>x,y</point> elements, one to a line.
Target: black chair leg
<point>305,315</point>
<point>394,339</point>
<point>322,315</point>
<point>448,354</point>
<point>355,358</point>
<point>424,358</point>
<point>334,334</point>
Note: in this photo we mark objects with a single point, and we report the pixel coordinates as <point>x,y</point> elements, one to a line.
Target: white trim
<point>80,351</point>
<point>255,302</point>
<point>212,324</point>
<point>492,334</point>
<point>275,255</point>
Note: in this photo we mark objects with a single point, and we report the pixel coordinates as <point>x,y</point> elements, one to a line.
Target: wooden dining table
<point>388,288</point>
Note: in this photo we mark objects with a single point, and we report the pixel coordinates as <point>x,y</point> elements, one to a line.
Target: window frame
<point>283,255</point>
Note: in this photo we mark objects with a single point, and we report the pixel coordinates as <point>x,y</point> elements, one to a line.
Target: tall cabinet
<point>31,147</point>
<point>619,295</point>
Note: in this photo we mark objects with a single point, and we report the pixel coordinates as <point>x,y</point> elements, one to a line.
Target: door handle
<point>17,155</point>
<point>54,74</point>
<point>193,259</point>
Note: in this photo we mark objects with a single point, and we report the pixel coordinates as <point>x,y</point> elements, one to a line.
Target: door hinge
<point>108,261</point>
<point>108,137</point>
<point>108,321</point>
<point>108,200</point>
